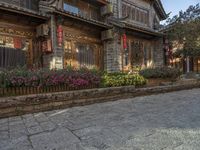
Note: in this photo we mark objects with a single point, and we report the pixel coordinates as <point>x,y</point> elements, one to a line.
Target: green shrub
<point>160,72</point>
<point>122,79</point>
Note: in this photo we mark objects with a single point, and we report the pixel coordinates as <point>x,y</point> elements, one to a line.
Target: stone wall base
<point>12,106</point>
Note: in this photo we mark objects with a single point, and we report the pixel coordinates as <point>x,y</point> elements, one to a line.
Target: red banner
<point>124,41</point>
<point>60,35</point>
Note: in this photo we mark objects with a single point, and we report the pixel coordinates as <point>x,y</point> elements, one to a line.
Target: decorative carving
<point>49,5</point>
<point>13,32</point>
<point>29,4</point>
<point>82,37</point>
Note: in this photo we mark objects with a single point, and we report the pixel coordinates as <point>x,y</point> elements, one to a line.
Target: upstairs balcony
<point>27,4</point>
<point>86,8</point>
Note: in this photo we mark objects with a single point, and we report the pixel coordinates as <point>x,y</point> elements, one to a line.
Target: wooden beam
<point>104,2</point>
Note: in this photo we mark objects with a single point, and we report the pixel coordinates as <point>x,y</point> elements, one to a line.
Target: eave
<point>83,19</point>
<point>159,7</point>
<point>103,2</point>
<point>143,30</point>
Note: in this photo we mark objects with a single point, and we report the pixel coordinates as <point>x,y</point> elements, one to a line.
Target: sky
<point>175,6</point>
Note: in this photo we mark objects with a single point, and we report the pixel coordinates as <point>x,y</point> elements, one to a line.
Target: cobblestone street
<point>158,122</point>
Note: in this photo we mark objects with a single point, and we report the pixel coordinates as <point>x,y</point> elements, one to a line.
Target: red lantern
<point>60,35</point>
<point>124,41</point>
<point>17,43</point>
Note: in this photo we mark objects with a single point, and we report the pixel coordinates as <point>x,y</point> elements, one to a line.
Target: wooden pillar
<point>30,53</point>
<point>122,53</point>
<point>187,64</point>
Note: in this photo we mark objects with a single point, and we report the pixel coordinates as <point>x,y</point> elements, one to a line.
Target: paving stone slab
<point>158,122</point>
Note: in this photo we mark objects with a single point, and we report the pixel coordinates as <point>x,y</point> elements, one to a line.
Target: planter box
<point>18,105</point>
<point>15,91</point>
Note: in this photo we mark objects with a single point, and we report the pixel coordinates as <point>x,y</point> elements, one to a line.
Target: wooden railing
<point>14,91</point>
<point>29,4</point>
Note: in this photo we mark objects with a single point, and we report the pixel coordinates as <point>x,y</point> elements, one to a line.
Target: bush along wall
<point>122,79</point>
<point>160,72</point>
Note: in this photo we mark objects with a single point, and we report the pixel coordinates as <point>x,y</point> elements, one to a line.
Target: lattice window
<point>133,13</point>
<point>86,55</point>
<point>124,10</point>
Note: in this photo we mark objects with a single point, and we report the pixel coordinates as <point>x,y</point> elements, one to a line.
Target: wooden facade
<point>62,33</point>
<point>18,43</point>
<point>139,53</point>
<point>81,49</point>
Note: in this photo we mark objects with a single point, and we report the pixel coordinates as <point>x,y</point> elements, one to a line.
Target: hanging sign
<point>60,35</point>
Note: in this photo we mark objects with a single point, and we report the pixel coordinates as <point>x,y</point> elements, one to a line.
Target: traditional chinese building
<point>137,41</point>
<point>112,35</point>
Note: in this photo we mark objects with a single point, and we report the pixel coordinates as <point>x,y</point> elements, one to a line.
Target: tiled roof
<point>21,10</point>
<point>82,18</point>
<point>161,9</point>
<point>134,27</point>
<point>142,29</point>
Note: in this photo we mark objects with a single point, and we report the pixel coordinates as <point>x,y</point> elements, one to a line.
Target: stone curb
<point>12,106</point>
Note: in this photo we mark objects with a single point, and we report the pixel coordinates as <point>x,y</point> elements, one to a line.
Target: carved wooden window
<point>29,4</point>
<point>141,17</point>
<point>137,15</point>
<point>86,55</point>
<point>68,49</point>
<point>13,51</point>
<point>133,13</point>
<point>94,13</point>
<point>149,54</point>
<point>147,18</point>
<point>126,55</point>
<point>124,10</point>
<point>128,11</point>
<point>137,53</point>
<point>68,53</point>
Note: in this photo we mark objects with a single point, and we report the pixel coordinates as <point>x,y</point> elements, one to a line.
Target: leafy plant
<point>122,79</point>
<point>160,72</point>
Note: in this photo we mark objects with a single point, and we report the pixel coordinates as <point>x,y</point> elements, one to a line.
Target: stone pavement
<point>159,122</point>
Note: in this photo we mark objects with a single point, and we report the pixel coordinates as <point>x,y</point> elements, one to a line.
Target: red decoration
<point>124,41</point>
<point>60,35</point>
<point>17,43</point>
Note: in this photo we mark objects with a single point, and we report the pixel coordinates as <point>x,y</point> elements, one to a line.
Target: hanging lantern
<point>60,35</point>
<point>124,41</point>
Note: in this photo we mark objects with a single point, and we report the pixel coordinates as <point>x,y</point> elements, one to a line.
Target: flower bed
<point>22,81</point>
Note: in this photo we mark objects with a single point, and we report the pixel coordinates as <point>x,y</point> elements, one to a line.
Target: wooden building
<point>111,35</point>
<point>18,42</point>
<point>136,24</point>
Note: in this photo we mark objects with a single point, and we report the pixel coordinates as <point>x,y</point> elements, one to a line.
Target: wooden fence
<point>14,91</point>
